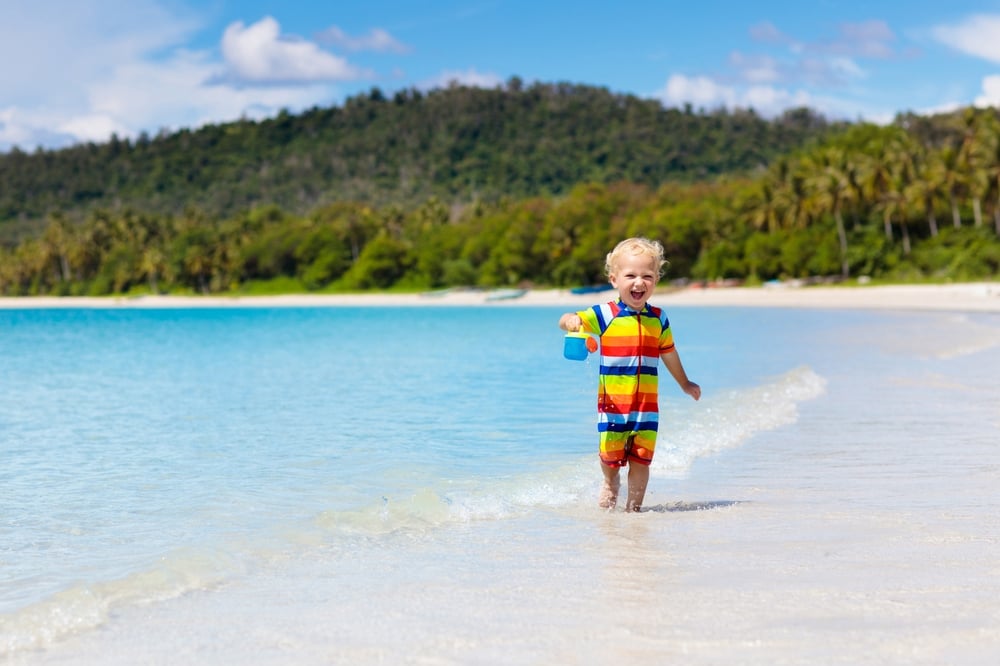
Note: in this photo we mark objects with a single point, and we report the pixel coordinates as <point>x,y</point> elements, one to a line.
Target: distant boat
<point>437,293</point>
<point>592,289</point>
<point>505,294</point>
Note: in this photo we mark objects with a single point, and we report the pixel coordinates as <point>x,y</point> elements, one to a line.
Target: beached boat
<point>591,289</point>
<point>505,294</point>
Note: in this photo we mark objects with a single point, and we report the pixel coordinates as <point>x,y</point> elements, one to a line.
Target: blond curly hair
<point>635,246</point>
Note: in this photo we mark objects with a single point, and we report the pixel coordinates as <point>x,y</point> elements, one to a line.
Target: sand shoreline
<point>968,297</point>
<point>965,297</point>
<point>863,528</point>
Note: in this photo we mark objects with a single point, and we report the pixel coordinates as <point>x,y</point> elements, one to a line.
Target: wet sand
<point>965,297</point>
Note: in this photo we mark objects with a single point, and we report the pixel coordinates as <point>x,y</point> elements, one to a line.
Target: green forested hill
<point>458,144</point>
<point>502,187</point>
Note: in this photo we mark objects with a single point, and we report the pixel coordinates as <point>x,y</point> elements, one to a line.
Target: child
<point>634,337</point>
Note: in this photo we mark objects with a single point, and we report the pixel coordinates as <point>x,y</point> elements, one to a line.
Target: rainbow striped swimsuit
<point>627,406</point>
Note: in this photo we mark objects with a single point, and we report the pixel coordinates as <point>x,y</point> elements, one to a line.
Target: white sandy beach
<point>847,457</point>
<point>965,297</point>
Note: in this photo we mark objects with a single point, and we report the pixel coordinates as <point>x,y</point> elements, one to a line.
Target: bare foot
<point>608,498</point>
<point>638,479</point>
<point>609,490</point>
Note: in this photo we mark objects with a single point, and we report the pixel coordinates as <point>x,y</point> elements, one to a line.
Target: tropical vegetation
<point>457,143</point>
<point>914,200</point>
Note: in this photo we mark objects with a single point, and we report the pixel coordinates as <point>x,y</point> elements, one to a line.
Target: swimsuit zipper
<point>638,369</point>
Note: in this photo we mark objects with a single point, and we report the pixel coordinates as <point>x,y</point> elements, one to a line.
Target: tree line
<point>917,199</point>
<point>886,189</point>
<point>897,202</point>
<point>458,144</point>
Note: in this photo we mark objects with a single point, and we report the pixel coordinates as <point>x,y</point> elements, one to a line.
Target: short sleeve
<point>666,335</point>
<point>591,323</point>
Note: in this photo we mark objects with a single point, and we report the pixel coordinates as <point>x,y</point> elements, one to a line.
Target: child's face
<point>635,277</point>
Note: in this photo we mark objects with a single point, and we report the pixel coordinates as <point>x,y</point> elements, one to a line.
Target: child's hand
<point>570,322</point>
<point>693,390</point>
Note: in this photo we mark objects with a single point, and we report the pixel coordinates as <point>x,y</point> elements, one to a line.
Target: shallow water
<point>369,485</point>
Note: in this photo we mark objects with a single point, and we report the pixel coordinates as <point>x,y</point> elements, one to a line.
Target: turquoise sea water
<point>149,456</point>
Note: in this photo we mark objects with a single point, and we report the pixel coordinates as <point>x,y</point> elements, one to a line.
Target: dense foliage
<point>457,144</point>
<point>915,200</point>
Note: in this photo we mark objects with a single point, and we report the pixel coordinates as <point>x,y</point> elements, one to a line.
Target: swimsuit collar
<point>624,309</point>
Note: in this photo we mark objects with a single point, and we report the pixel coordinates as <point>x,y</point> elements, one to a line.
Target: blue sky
<point>77,71</point>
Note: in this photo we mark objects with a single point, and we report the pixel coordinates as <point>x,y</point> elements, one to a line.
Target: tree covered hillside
<point>458,144</point>
<point>489,188</point>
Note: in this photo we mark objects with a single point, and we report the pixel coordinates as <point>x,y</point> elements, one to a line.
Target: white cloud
<point>834,62</point>
<point>705,92</point>
<point>990,95</point>
<point>150,96</point>
<point>977,35</point>
<point>944,107</point>
<point>377,40</point>
<point>258,53</point>
<point>846,68</point>
<point>699,91</point>
<point>174,94</point>
<point>756,68</point>
<point>469,77</point>
<point>94,127</point>
<point>110,68</point>
<point>69,43</point>
<point>868,39</point>
<point>766,31</point>
<point>27,130</point>
<point>771,101</point>
<point>55,50</point>
<point>784,61</point>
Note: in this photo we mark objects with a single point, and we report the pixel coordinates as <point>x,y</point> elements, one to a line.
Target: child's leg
<point>638,478</point>
<point>613,455</point>
<point>609,491</point>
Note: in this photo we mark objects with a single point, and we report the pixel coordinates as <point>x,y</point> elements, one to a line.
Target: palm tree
<point>855,169</point>
<point>922,189</point>
<point>831,186</point>
<point>990,167</point>
<point>766,210</point>
<point>971,155</point>
<point>950,173</point>
<point>892,198</point>
<point>152,264</point>
<point>799,198</point>
<point>197,264</point>
<point>897,199</point>
<point>57,240</point>
<point>884,151</point>
<point>33,257</point>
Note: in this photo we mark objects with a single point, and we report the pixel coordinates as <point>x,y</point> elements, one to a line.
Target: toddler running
<point>634,337</point>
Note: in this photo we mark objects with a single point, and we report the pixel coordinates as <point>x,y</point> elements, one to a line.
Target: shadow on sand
<point>691,506</point>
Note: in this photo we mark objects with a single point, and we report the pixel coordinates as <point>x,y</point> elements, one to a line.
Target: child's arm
<point>570,322</point>
<point>673,363</point>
